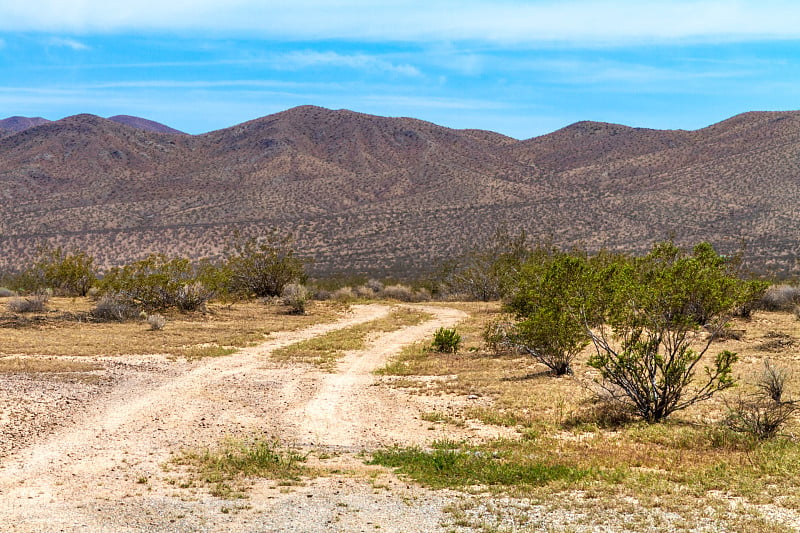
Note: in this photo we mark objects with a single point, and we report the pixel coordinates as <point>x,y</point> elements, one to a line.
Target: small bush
<point>345,294</point>
<point>374,285</point>
<point>31,304</point>
<point>446,340</point>
<point>766,412</point>
<point>156,321</point>
<point>322,295</point>
<point>496,337</point>
<point>364,292</point>
<point>192,297</point>
<point>603,411</point>
<point>296,297</point>
<point>423,295</point>
<point>6,293</point>
<point>113,307</point>
<point>780,298</point>
<point>772,383</point>
<point>399,292</point>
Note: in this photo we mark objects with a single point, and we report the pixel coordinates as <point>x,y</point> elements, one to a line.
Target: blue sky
<point>522,68</point>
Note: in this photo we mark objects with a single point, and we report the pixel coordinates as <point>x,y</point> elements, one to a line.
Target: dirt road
<point>104,471</point>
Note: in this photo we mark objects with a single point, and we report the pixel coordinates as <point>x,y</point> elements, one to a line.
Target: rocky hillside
<point>374,194</point>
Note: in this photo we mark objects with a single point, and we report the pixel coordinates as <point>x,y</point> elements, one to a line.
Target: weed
<point>225,469</point>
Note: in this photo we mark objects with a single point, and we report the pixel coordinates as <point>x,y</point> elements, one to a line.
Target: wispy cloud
<point>310,58</point>
<point>584,22</point>
<point>67,43</point>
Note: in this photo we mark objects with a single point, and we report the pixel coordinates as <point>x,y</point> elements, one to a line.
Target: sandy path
<point>104,472</point>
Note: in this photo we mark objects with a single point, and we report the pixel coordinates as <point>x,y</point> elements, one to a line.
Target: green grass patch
<point>454,468</point>
<point>324,350</point>
<point>226,469</point>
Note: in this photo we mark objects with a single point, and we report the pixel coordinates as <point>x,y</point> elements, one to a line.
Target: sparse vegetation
<point>73,329</point>
<point>262,267</point>
<point>226,470</point>
<point>764,413</point>
<point>35,303</point>
<point>450,465</point>
<point>484,273</point>
<point>325,350</point>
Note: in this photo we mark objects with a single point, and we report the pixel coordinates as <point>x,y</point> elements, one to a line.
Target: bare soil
<point>92,450</point>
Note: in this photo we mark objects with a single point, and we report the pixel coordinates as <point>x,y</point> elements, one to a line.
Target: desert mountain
<point>375,194</point>
<point>16,124</point>
<point>143,124</point>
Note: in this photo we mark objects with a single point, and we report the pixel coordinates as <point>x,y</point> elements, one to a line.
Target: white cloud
<point>67,43</point>
<point>582,22</point>
<point>305,59</point>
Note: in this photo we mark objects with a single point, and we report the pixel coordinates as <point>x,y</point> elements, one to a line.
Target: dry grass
<point>325,350</point>
<point>223,327</point>
<point>35,365</point>
<point>670,467</point>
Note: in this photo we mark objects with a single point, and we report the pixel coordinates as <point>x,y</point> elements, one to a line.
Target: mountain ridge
<point>372,194</point>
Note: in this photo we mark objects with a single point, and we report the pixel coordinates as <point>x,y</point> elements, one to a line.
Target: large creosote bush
<point>71,273</point>
<point>547,303</point>
<point>262,267</point>
<point>158,282</point>
<point>648,348</point>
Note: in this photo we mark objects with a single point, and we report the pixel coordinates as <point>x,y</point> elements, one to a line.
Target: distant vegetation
<point>640,314</point>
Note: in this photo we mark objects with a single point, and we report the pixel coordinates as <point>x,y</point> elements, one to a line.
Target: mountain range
<point>378,195</point>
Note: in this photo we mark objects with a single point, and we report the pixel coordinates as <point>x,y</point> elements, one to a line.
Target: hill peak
<point>144,124</point>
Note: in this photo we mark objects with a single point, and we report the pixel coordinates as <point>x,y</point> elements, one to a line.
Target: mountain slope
<point>143,124</point>
<point>375,194</point>
<point>17,124</point>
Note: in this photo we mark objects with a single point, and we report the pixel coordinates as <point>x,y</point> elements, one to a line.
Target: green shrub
<point>549,300</point>
<point>446,340</point>
<point>263,267</point>
<point>69,273</point>
<point>158,282</point>
<point>658,301</point>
